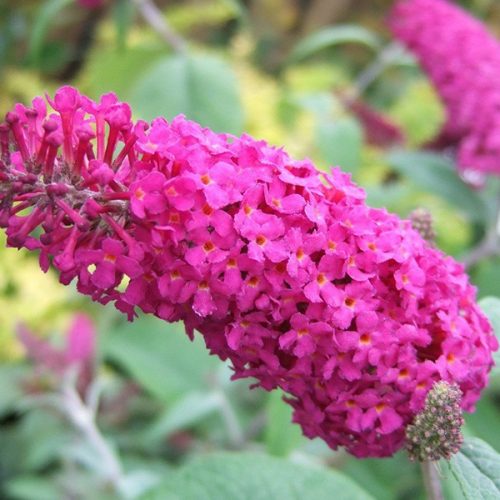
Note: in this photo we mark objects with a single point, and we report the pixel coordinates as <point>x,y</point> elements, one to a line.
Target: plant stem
<point>82,417</point>
<point>486,248</point>
<point>384,58</point>
<point>490,245</point>
<point>234,432</point>
<point>431,481</point>
<point>154,17</point>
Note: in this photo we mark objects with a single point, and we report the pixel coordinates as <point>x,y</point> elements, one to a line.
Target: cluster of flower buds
<point>285,271</point>
<point>463,61</point>
<point>436,430</point>
<point>421,221</point>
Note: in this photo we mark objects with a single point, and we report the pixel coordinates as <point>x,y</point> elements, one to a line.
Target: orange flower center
<point>254,281</point>
<point>365,339</point>
<point>321,279</point>
<point>110,258</point>
<point>207,209</point>
<point>174,217</point>
<point>349,302</point>
<point>208,246</point>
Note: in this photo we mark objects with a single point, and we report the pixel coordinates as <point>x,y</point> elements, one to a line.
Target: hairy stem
<point>154,17</point>
<point>432,482</point>
<point>82,418</point>
<point>234,431</point>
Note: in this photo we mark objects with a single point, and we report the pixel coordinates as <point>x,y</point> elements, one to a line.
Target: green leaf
<point>331,36</point>
<point>185,412</point>
<point>109,68</point>
<point>46,15</point>
<point>477,469</point>
<point>160,357</point>
<point>249,476</point>
<point>11,375</point>
<point>391,196</point>
<point>434,173</point>
<point>202,87</point>
<point>28,487</point>
<point>340,143</point>
<point>123,13</point>
<point>281,435</point>
<point>486,276</point>
<point>483,423</point>
<point>390,478</point>
<point>318,103</point>
<point>39,440</point>
<point>491,308</point>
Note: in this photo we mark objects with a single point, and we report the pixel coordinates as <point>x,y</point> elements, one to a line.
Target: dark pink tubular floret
<point>285,271</point>
<point>463,61</point>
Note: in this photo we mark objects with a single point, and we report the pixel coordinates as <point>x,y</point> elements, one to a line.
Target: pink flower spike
<point>462,59</point>
<point>40,350</point>
<point>80,342</point>
<point>284,271</point>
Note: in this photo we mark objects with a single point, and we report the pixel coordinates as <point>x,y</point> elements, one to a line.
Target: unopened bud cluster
<point>436,432</point>
<point>421,221</point>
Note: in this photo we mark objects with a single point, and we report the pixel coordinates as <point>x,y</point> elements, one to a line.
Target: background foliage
<point>279,70</point>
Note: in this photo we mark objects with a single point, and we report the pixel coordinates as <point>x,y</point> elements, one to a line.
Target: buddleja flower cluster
<point>285,271</point>
<point>436,431</point>
<point>463,61</point>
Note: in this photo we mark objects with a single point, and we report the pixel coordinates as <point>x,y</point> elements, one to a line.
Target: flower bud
<point>436,431</point>
<point>421,221</point>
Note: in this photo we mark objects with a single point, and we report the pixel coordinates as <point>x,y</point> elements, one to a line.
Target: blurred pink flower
<point>378,129</point>
<point>285,271</point>
<point>78,353</point>
<point>462,59</point>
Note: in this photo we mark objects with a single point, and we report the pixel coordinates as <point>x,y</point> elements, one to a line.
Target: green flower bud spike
<point>421,221</point>
<point>436,430</point>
